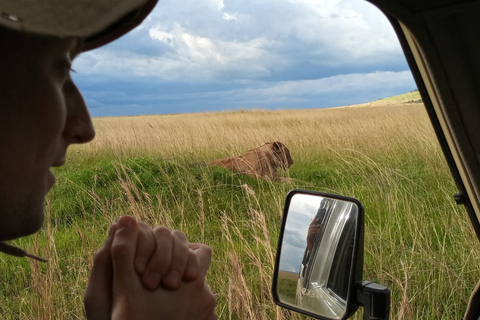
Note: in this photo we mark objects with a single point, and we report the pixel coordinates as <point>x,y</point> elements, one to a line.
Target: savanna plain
<point>418,242</point>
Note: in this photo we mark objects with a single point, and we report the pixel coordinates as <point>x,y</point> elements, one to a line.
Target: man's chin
<point>23,225</point>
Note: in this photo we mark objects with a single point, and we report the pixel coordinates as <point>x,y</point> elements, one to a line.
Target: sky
<point>301,211</point>
<point>213,55</point>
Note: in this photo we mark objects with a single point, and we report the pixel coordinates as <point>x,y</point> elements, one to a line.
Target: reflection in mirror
<point>317,254</point>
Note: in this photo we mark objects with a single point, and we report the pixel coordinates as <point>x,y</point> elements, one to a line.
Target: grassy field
<point>418,242</point>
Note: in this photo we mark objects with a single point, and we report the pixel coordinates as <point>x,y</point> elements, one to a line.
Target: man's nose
<point>78,126</point>
<point>80,129</point>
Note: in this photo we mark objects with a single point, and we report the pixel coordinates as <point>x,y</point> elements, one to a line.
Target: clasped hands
<point>143,273</point>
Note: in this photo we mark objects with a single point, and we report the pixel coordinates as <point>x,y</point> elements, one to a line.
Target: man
<point>140,273</point>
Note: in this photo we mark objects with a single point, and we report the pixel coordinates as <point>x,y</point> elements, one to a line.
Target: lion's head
<point>281,154</point>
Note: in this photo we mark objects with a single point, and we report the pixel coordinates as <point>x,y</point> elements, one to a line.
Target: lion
<point>259,162</point>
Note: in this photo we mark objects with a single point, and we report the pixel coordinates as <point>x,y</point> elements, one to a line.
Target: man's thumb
<point>123,250</point>
<point>98,297</point>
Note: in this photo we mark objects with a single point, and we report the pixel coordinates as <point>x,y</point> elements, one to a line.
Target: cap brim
<point>98,22</point>
<point>119,28</point>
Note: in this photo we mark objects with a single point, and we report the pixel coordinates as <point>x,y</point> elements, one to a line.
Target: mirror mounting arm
<point>375,300</point>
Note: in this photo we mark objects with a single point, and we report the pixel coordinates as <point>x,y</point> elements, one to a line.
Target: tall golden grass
<point>417,241</point>
<point>207,135</point>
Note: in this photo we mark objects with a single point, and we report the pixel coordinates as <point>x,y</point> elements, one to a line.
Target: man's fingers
<point>102,264</point>
<point>180,256</point>
<point>166,257</point>
<point>204,255</point>
<point>212,316</point>
<point>191,270</point>
<point>210,302</point>
<point>160,260</point>
<point>145,247</point>
<point>123,249</point>
<point>100,282</point>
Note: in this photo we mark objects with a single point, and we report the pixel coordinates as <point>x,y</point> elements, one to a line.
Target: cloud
<point>340,83</point>
<point>157,96</point>
<point>212,38</point>
<point>291,258</point>
<point>94,104</point>
<point>189,57</point>
<point>245,53</point>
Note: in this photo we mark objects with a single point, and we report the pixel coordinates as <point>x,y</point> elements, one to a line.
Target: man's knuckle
<point>211,302</point>
<point>208,250</point>
<point>120,251</point>
<point>98,257</point>
<point>179,235</point>
<point>162,232</point>
<point>143,225</point>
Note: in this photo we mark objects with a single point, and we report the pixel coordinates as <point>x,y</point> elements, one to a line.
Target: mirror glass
<point>316,255</point>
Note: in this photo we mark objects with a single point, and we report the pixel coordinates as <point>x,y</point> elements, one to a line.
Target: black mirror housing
<point>319,260</point>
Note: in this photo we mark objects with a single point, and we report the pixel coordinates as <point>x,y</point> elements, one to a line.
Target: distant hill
<point>409,97</point>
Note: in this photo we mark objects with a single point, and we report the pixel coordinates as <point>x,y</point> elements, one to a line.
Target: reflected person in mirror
<point>140,272</point>
<point>315,227</point>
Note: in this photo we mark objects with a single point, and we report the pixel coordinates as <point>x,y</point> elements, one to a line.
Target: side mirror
<point>319,261</point>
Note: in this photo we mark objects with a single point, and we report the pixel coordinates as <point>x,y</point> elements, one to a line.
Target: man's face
<point>41,114</point>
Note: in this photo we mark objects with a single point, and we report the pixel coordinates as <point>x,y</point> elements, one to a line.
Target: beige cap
<point>98,21</point>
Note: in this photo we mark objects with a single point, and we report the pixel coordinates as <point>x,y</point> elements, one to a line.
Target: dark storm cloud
<point>216,55</point>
